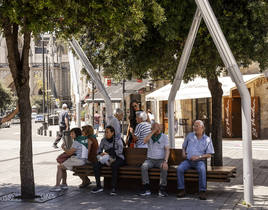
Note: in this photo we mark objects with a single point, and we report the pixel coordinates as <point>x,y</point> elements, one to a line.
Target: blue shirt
<point>195,147</point>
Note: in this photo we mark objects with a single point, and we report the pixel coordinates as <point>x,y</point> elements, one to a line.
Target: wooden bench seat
<point>135,158</point>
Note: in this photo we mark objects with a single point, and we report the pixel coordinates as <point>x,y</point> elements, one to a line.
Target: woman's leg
<point>64,175</point>
<point>59,175</point>
<point>115,166</point>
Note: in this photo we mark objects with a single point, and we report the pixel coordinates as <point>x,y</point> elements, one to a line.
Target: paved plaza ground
<point>220,195</point>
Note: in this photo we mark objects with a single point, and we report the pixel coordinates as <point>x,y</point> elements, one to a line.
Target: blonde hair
<point>88,130</point>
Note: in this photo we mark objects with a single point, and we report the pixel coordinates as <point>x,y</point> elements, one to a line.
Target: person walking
<point>97,123</point>
<point>63,124</point>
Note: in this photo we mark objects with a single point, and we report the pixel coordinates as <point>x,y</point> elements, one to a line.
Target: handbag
<point>62,157</point>
<point>111,151</point>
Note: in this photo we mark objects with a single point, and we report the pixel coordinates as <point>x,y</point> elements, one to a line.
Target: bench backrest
<point>136,156</point>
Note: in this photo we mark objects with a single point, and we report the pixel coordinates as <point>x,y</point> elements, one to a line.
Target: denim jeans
<point>200,166</point>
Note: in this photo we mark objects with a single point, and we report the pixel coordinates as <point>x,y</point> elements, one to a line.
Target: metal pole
<point>43,62</point>
<point>123,107</point>
<point>47,87</point>
<point>180,72</point>
<point>233,69</point>
<point>95,77</point>
<point>93,104</point>
<point>75,87</point>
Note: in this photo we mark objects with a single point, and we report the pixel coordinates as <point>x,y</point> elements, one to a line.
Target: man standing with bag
<point>63,123</point>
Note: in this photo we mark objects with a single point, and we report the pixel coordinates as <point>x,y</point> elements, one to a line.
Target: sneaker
<point>97,190</point>
<point>84,185</point>
<point>55,189</point>
<point>202,195</point>
<point>181,193</point>
<point>162,193</point>
<point>64,186</point>
<point>113,192</point>
<point>145,193</point>
<point>55,146</point>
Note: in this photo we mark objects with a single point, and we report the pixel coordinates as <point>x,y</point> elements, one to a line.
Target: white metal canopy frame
<point>205,11</point>
<point>95,77</point>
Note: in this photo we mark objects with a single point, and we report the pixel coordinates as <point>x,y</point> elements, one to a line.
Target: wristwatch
<point>166,161</point>
<point>200,156</point>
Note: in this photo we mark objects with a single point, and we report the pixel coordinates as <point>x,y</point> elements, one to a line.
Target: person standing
<point>141,131</point>
<point>97,122</point>
<point>63,124</point>
<point>157,156</point>
<point>196,148</point>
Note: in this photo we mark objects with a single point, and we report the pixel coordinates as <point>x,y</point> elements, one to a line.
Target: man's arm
<point>165,163</point>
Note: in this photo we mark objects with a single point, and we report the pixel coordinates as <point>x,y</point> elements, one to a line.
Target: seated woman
<point>88,131</point>
<point>114,148</point>
<point>78,155</point>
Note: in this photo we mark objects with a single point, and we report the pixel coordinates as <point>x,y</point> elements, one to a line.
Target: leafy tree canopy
<point>244,23</point>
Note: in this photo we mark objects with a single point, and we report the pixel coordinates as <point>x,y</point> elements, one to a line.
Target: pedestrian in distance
<point>97,122</point>
<point>63,124</point>
<point>196,148</point>
<point>113,149</point>
<point>157,156</point>
<point>78,154</point>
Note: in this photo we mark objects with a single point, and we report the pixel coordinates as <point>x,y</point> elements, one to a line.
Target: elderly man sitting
<point>196,147</point>
<point>157,156</point>
<point>142,130</point>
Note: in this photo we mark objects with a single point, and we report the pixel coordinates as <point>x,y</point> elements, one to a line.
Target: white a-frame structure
<point>205,11</point>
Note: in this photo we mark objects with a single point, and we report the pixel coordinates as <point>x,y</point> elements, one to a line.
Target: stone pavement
<point>220,195</point>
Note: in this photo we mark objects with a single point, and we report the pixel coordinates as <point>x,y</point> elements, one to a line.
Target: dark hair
<point>111,128</point>
<point>77,131</point>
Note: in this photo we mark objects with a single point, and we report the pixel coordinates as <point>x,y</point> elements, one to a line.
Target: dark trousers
<point>59,136</point>
<point>115,167</point>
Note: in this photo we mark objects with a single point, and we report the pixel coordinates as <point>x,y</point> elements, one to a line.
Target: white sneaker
<point>55,189</point>
<point>64,186</point>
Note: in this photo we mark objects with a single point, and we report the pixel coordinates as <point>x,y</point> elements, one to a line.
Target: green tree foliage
<point>5,98</point>
<point>118,21</point>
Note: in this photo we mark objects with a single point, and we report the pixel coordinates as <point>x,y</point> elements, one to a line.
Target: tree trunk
<point>216,93</point>
<point>19,67</point>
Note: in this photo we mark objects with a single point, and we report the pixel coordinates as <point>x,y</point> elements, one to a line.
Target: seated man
<point>157,156</point>
<point>196,148</point>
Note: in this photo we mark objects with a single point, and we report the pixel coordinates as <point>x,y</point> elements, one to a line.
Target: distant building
<point>55,61</point>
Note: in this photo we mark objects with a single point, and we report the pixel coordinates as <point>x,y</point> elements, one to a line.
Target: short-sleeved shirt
<point>195,147</point>
<point>141,131</point>
<point>78,151</point>
<point>156,150</point>
<point>63,115</point>
<point>114,122</point>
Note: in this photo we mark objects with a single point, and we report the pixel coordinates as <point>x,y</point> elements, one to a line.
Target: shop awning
<point>197,88</point>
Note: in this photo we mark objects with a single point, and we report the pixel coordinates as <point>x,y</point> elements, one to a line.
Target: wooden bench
<point>130,175</point>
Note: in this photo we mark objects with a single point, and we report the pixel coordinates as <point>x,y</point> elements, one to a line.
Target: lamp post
<point>43,62</point>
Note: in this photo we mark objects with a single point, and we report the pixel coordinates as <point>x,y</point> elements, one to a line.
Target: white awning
<point>197,88</point>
